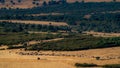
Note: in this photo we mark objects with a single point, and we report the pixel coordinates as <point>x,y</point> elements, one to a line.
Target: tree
<point>12,2</point>
<point>83,1</point>
<point>44,3</point>
<point>33,2</point>
<point>2,1</point>
<point>52,2</point>
<point>76,2</point>
<point>19,1</point>
<point>25,45</point>
<point>114,0</point>
<point>37,4</point>
<point>63,1</point>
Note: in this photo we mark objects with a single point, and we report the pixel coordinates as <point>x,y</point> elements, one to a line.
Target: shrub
<point>97,58</point>
<point>2,48</point>
<point>85,65</point>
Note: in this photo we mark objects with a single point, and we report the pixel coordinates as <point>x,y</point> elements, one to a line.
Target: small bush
<point>85,65</point>
<point>97,58</point>
<point>38,58</point>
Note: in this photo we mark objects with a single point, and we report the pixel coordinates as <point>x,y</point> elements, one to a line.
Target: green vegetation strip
<point>9,38</point>
<point>77,42</point>
<point>95,65</point>
<point>6,26</point>
<point>85,65</point>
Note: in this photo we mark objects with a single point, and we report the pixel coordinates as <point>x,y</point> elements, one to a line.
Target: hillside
<point>34,3</point>
<point>59,33</point>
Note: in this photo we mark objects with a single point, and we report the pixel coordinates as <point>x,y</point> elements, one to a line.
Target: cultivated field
<point>56,59</point>
<point>37,22</point>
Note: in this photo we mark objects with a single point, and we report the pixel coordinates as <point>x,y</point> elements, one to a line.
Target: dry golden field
<point>60,59</point>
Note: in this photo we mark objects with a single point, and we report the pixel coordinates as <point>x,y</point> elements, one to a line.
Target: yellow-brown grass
<point>9,58</point>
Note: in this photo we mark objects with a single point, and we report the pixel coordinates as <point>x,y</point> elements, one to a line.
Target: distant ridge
<point>33,3</point>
